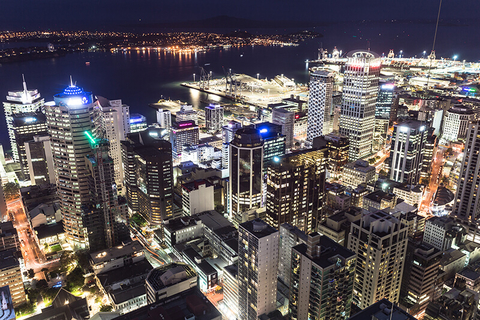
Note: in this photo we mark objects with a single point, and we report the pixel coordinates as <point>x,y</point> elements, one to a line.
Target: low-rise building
<point>65,306</point>
<point>230,289</point>
<point>453,261</point>
<point>168,281</point>
<point>379,200</point>
<point>358,172</point>
<point>116,257</point>
<point>197,196</point>
<point>382,310</point>
<point>181,230</point>
<point>207,276</point>
<point>410,194</point>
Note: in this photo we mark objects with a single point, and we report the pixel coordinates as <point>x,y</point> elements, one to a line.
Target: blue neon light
<point>73,90</point>
<point>264,130</point>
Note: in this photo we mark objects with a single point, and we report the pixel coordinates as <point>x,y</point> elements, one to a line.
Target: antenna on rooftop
<point>24,84</point>
<point>71,81</point>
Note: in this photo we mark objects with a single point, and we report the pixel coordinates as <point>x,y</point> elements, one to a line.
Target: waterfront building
<point>69,119</point>
<point>320,104</point>
<point>116,119</point>
<point>296,189</point>
<point>466,202</point>
<point>360,91</point>
<point>147,161</point>
<point>228,132</point>
<point>164,119</point>
<point>408,146</point>
<point>358,172</point>
<point>323,274</point>
<point>40,160</point>
<point>186,113</point>
<point>456,123</point>
<point>214,117</point>
<point>257,269</point>
<point>286,119</point>
<point>246,172</point>
<point>25,127</point>
<point>422,265</point>
<point>384,100</point>
<point>138,122</point>
<point>380,242</point>
<point>290,237</point>
<point>19,102</point>
<point>183,133</point>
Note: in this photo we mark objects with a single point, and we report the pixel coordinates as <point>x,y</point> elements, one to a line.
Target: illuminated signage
<point>469,89</point>
<point>185,124</point>
<point>388,86</point>
<point>135,120</point>
<point>264,130</point>
<point>276,159</point>
<point>403,129</point>
<point>30,119</point>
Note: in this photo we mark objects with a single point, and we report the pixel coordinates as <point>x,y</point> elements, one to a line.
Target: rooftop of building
<point>126,293</point>
<point>214,221</point>
<point>44,208</point>
<point>128,271</point>
<point>328,254</point>
<point>461,109</point>
<point>169,275</point>
<point>209,140</point>
<point>198,260</point>
<point>7,229</point>
<point>294,230</point>
<point>186,305</point>
<point>379,195</point>
<point>195,185</point>
<point>360,165</point>
<point>444,222</point>
<point>323,73</point>
<point>380,223</point>
<point>418,188</point>
<point>469,274</point>
<point>443,196</point>
<point>248,137</point>
<point>27,119</point>
<point>8,259</point>
<point>382,310</point>
<point>450,256</point>
<point>116,252</point>
<point>49,230</point>
<point>232,270</point>
<point>181,223</point>
<point>258,228</point>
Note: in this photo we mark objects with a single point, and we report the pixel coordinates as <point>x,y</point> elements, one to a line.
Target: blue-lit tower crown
<point>73,97</point>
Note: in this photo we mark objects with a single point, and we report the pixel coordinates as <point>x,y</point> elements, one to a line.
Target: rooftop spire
<point>24,84</point>
<point>71,81</point>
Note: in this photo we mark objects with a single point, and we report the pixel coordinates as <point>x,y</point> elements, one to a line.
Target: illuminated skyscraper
<point>320,104</point>
<point>138,122</point>
<point>69,118</point>
<point>246,172</point>
<point>360,90</point>
<point>467,202</point>
<point>296,189</point>
<point>406,157</point>
<point>384,100</point>
<point>183,133</point>
<point>25,127</point>
<point>18,102</point>
<point>257,269</point>
<point>147,161</point>
<point>228,132</point>
<point>214,117</point>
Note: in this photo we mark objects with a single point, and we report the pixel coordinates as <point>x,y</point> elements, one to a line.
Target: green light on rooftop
<point>90,137</point>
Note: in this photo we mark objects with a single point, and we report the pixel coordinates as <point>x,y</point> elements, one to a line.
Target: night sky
<point>68,14</point>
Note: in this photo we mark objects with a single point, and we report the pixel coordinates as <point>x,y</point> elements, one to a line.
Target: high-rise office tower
<point>380,242</point>
<point>296,189</point>
<point>106,223</point>
<point>467,202</point>
<point>164,118</point>
<point>68,120</point>
<point>419,276</point>
<point>214,117</point>
<point>337,146</point>
<point>360,90</point>
<point>116,121</point>
<point>18,102</point>
<point>183,133</point>
<point>228,132</point>
<point>384,100</point>
<point>25,127</point>
<point>40,163</point>
<point>323,273</point>
<point>147,161</point>
<point>320,104</point>
<point>286,119</point>
<point>257,269</point>
<point>273,142</point>
<point>406,157</point>
<point>246,172</point>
